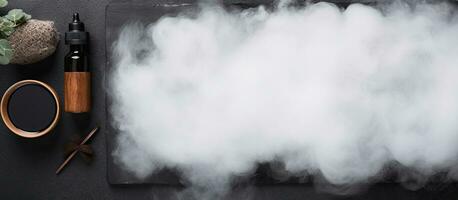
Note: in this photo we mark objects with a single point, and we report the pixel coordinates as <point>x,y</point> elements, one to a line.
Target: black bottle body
<point>76,59</point>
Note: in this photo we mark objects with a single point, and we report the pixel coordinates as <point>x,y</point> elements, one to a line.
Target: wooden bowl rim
<point>6,118</point>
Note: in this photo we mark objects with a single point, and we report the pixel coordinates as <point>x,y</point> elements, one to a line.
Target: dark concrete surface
<point>27,166</point>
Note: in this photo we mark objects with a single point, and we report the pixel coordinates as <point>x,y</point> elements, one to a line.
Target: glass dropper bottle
<point>77,80</point>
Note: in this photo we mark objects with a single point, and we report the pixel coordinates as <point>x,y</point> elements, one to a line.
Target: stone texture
<point>33,41</point>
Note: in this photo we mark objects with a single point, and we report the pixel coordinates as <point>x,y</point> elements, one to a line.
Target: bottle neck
<point>77,48</point>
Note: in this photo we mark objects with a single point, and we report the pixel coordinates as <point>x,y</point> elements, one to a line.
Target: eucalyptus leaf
<point>6,52</point>
<point>3,3</point>
<point>17,16</point>
<point>2,52</point>
<point>6,31</point>
<point>27,16</point>
<point>6,28</point>
<point>6,22</point>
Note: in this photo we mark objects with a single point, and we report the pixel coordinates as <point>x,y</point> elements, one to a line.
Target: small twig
<point>76,150</point>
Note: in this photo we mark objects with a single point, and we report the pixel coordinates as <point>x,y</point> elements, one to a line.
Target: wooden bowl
<point>6,117</point>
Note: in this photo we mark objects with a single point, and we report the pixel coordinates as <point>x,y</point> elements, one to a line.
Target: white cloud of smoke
<point>340,93</point>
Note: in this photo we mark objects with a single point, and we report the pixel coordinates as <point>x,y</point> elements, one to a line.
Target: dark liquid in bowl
<point>32,108</point>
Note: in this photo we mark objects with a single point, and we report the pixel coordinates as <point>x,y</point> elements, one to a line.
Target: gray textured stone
<point>33,41</point>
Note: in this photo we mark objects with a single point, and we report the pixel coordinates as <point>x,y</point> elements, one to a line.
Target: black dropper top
<point>76,24</point>
<point>76,34</point>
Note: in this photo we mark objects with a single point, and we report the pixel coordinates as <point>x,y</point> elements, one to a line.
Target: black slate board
<point>121,12</point>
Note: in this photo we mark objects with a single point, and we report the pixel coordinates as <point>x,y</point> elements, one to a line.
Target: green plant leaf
<point>6,28</point>
<point>17,16</point>
<point>6,23</point>
<point>6,31</point>
<point>27,16</point>
<point>6,52</point>
<point>3,3</point>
